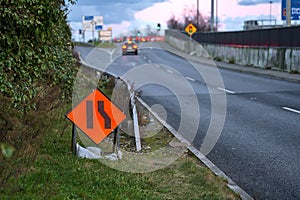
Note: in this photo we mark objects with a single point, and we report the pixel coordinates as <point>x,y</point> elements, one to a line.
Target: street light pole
<point>217,19</point>
<point>212,16</point>
<point>271,11</point>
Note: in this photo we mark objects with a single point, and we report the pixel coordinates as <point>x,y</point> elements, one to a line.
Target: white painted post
<point>135,123</point>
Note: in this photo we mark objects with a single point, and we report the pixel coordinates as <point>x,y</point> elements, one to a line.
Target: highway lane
<point>259,107</point>
<point>259,145</point>
<point>260,139</point>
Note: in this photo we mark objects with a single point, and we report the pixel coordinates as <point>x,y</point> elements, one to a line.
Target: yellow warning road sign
<point>190,29</point>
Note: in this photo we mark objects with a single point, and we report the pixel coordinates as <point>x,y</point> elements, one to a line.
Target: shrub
<point>36,48</point>
<point>231,60</point>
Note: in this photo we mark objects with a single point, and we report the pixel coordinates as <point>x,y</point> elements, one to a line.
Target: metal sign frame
<point>91,23</point>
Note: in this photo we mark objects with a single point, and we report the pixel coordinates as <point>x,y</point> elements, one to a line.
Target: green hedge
<point>36,49</point>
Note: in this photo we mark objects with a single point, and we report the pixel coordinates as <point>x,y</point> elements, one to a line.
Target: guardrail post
<point>135,122</point>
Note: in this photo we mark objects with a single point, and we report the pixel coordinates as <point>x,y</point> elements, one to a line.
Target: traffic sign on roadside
<point>96,116</point>
<point>190,29</point>
<point>295,10</point>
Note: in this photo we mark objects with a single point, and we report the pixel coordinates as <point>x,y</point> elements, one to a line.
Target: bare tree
<point>150,31</point>
<point>175,23</point>
<point>189,15</point>
<point>134,32</point>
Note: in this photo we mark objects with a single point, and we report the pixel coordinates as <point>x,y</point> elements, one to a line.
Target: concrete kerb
<point>235,67</point>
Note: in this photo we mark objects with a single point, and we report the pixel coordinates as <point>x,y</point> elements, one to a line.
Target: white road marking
<point>156,65</point>
<point>225,90</point>
<point>111,54</point>
<point>170,71</point>
<point>291,109</point>
<point>189,78</point>
<point>149,61</point>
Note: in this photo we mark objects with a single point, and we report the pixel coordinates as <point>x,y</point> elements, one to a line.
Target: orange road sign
<point>190,29</point>
<point>96,116</point>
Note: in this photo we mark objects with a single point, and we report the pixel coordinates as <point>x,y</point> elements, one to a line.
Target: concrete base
<point>283,59</point>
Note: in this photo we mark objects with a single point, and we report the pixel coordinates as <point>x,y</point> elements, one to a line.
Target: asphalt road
<point>259,143</point>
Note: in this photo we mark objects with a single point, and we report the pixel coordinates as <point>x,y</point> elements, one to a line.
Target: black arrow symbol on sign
<point>89,114</point>
<point>107,120</point>
<point>90,118</point>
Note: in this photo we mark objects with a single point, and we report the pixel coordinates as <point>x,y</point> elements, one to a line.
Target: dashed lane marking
<point>291,109</point>
<point>170,71</point>
<point>225,90</point>
<point>189,78</point>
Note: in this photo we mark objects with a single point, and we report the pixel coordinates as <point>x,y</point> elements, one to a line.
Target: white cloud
<point>138,14</point>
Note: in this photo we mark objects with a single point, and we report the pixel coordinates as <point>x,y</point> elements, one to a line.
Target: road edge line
<point>209,164</point>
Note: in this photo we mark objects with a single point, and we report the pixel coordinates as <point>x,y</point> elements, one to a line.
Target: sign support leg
<point>118,140</point>
<point>74,138</point>
<point>116,131</point>
<point>190,44</point>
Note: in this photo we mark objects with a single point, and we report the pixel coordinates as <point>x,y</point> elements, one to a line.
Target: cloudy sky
<point>126,15</point>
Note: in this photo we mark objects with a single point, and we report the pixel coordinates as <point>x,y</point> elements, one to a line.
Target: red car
<point>129,47</point>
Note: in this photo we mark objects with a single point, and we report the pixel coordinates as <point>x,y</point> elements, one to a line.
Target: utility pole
<point>271,11</point>
<point>212,16</point>
<point>198,14</point>
<point>93,29</point>
<point>288,12</point>
<point>217,19</point>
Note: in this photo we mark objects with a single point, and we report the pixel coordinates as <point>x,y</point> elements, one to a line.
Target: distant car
<point>129,47</point>
<point>118,40</point>
<point>143,39</point>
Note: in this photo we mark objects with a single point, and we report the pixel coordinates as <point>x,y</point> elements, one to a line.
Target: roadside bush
<point>294,71</point>
<point>35,49</point>
<point>218,58</point>
<point>231,60</point>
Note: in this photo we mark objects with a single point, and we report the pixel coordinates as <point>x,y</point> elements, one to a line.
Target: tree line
<point>189,15</point>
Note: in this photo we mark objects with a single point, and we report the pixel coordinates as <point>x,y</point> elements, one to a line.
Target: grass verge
<point>43,166</point>
<point>48,170</point>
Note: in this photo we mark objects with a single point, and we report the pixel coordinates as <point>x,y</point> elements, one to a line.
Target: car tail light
<point>124,47</point>
<point>135,46</point>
